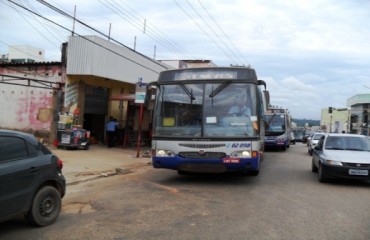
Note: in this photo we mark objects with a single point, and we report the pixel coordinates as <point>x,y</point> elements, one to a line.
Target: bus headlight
<point>243,154</point>
<point>246,154</point>
<point>164,153</point>
<point>281,139</point>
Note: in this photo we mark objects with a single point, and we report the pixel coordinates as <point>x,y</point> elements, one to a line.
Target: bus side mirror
<point>267,97</point>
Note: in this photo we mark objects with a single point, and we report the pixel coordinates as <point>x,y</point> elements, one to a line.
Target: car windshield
<point>347,143</point>
<point>317,136</point>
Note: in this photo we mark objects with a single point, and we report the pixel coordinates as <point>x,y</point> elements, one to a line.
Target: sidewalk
<point>99,161</point>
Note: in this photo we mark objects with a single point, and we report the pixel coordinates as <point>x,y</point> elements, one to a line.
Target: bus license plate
<point>358,172</point>
<point>231,160</point>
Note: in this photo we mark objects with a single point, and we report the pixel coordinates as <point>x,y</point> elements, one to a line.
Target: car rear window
<point>44,149</point>
<point>12,148</point>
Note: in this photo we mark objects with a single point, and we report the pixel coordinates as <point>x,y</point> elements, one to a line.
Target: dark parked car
<point>341,156</point>
<point>31,180</point>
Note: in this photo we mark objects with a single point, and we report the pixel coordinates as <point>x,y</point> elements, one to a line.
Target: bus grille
<point>210,155</point>
<point>194,145</point>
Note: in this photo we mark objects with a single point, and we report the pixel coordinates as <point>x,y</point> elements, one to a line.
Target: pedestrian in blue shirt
<point>111,131</point>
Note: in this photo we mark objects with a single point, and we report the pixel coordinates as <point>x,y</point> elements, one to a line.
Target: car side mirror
<point>318,148</point>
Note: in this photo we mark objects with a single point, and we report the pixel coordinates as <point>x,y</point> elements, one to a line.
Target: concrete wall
<point>28,108</point>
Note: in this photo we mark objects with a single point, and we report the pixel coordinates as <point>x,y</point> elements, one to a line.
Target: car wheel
<point>321,174</point>
<point>313,167</point>
<point>86,147</point>
<point>45,208</point>
<point>310,152</point>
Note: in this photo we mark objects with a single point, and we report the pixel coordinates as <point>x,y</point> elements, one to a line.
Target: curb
<point>103,174</point>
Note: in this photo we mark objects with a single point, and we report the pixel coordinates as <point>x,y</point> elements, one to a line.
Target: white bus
<point>208,120</point>
<point>278,128</point>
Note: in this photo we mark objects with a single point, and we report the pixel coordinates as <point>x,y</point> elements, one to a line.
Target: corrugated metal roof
<point>91,55</point>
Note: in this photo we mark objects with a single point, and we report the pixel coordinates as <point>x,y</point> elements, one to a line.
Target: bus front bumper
<point>226,164</point>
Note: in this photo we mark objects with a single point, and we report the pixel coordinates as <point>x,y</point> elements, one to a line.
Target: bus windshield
<point>206,110</point>
<point>275,123</point>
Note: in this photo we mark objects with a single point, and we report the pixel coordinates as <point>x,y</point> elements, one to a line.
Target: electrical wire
<point>49,28</point>
<point>213,31</point>
<point>204,31</point>
<point>223,32</point>
<point>138,24</point>
<point>155,29</point>
<point>85,38</point>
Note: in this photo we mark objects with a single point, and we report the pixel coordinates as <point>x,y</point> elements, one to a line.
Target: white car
<point>313,141</point>
<point>342,156</point>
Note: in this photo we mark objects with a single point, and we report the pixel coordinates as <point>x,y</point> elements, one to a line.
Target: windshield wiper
<point>186,90</point>
<point>219,88</point>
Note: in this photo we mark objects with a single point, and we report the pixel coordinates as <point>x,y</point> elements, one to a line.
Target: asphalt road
<point>285,201</point>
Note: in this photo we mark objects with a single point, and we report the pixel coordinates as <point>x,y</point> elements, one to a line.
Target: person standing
<point>111,131</point>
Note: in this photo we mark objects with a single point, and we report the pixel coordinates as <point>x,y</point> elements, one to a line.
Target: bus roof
<point>211,73</point>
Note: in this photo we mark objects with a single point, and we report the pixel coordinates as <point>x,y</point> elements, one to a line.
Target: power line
<point>205,32</point>
<point>155,29</point>
<point>213,31</point>
<point>223,32</point>
<point>85,38</point>
<point>49,28</point>
<point>138,23</point>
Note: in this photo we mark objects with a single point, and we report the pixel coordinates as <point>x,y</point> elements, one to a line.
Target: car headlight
<point>164,153</point>
<point>334,163</point>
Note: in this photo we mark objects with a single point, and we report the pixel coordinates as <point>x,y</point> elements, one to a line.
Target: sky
<point>312,54</point>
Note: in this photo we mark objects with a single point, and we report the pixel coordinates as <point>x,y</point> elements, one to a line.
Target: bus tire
<point>254,173</point>
<point>181,172</point>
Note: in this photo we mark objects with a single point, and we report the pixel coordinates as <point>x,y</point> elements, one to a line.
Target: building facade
<point>360,107</point>
<point>23,54</point>
<point>336,121</point>
<point>95,80</point>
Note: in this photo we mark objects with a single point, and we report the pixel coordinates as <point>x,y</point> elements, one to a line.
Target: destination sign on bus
<point>205,75</point>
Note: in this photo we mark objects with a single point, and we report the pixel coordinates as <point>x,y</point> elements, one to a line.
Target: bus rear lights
<point>164,153</point>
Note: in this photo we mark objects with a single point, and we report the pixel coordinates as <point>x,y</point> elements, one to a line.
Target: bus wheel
<point>254,173</point>
<point>181,172</point>
<point>251,172</point>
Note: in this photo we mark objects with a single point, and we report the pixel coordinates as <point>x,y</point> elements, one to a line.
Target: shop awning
<point>123,97</point>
